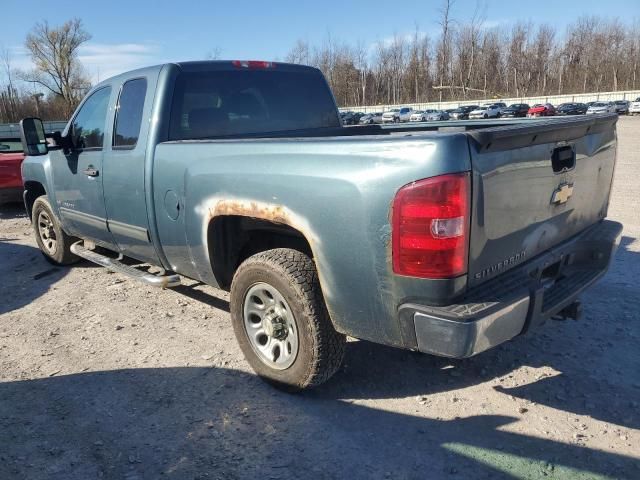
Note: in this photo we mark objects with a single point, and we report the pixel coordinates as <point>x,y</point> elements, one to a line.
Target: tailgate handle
<point>563,159</point>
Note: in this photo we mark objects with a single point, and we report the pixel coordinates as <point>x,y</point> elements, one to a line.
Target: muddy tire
<point>281,322</point>
<point>53,242</point>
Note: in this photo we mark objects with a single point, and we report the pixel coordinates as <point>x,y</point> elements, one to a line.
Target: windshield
<point>239,102</point>
<point>599,104</point>
<point>10,145</point>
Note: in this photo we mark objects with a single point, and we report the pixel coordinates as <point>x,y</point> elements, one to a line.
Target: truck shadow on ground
<point>217,423</point>
<point>12,210</point>
<point>595,362</point>
<point>26,275</point>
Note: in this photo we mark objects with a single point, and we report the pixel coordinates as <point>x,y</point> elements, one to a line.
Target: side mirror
<point>32,135</point>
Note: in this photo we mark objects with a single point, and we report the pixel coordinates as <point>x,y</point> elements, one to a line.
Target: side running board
<point>162,281</point>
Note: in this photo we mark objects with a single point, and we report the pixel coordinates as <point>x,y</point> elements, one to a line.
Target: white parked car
<point>602,107</point>
<point>485,111</point>
<point>634,107</point>
<point>418,116</point>
<point>396,115</point>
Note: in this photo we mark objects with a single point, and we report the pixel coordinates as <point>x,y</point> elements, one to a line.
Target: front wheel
<point>281,322</point>
<point>53,242</point>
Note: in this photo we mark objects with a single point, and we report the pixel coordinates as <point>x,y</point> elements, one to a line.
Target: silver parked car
<point>396,115</point>
<point>437,115</point>
<point>601,107</point>
<point>370,118</point>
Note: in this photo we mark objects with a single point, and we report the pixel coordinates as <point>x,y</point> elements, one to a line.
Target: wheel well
<point>33,190</point>
<point>232,239</point>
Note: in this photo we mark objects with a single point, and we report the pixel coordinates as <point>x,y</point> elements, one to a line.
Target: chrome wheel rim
<point>47,233</point>
<point>270,326</point>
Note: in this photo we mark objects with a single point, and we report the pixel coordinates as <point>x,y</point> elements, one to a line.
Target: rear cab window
<point>236,102</point>
<point>129,114</point>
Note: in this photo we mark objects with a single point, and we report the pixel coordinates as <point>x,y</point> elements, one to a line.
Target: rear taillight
<point>252,64</point>
<point>430,222</point>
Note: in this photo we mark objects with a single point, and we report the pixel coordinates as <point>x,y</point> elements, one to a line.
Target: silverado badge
<point>562,193</point>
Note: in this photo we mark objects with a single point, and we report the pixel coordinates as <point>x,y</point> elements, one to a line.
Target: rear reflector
<point>430,227</point>
<point>252,64</point>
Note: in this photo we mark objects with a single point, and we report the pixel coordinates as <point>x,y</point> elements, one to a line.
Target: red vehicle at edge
<point>542,110</point>
<point>11,157</point>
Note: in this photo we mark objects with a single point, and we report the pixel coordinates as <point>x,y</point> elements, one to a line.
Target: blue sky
<point>134,33</point>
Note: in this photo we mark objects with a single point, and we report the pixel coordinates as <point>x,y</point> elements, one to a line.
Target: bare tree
<point>8,94</point>
<point>214,54</point>
<point>54,52</point>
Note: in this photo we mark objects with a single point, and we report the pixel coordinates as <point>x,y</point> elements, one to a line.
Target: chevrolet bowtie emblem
<point>562,193</point>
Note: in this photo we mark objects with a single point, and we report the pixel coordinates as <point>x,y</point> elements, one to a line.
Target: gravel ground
<point>101,377</point>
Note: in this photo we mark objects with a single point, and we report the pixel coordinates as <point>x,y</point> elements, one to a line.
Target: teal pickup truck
<point>444,237</point>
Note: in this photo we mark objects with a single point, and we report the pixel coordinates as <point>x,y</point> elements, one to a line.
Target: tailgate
<point>536,184</point>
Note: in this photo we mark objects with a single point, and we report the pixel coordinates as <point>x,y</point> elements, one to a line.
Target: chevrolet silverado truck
<point>447,238</point>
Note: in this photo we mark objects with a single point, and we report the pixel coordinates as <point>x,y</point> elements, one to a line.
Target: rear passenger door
<point>124,170</point>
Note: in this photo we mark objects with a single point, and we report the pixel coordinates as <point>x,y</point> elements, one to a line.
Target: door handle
<point>90,171</point>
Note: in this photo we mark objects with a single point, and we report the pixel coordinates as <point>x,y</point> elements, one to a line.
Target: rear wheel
<point>281,322</point>
<point>53,242</point>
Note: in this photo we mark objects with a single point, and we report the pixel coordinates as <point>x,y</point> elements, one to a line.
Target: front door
<point>77,173</point>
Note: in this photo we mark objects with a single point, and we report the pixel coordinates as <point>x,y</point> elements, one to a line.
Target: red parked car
<point>542,110</point>
<point>11,157</point>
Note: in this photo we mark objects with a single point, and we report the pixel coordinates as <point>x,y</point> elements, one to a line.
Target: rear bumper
<point>518,300</point>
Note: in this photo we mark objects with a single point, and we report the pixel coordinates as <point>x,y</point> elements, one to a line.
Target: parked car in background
<point>485,111</point>
<point>450,111</point>
<point>572,109</point>
<point>396,115</point>
<point>419,116</point>
<point>346,118</point>
<point>437,115</point>
<point>11,157</point>
<point>622,107</point>
<point>501,106</point>
<point>357,116</point>
<point>634,108</point>
<point>515,110</point>
<point>601,107</point>
<point>541,110</point>
<point>462,113</point>
<point>370,118</point>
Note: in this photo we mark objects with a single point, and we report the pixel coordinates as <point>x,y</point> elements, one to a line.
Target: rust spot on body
<point>272,213</point>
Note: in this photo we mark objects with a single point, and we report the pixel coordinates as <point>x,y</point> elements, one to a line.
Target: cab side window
<point>129,113</point>
<point>87,129</point>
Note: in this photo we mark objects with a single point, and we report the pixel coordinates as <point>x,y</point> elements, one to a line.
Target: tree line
<point>468,61</point>
<point>462,61</point>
